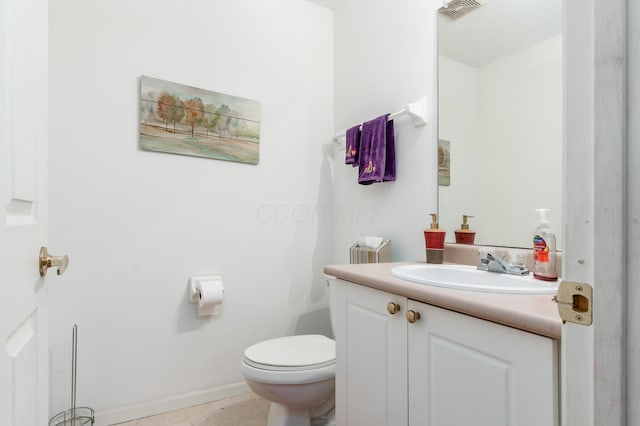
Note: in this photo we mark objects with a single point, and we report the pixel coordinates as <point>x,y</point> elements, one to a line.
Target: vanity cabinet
<point>371,357</point>
<point>443,369</point>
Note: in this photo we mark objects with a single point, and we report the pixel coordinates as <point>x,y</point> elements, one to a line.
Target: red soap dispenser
<point>434,240</point>
<point>464,235</point>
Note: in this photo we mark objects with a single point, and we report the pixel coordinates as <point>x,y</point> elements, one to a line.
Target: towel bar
<point>417,110</point>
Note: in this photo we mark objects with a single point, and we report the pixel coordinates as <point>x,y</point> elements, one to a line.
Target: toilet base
<point>327,419</point>
<point>279,415</point>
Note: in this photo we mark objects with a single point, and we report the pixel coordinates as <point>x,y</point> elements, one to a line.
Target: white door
<point>23,212</point>
<point>592,364</point>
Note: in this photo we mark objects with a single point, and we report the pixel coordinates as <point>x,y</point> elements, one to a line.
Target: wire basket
<point>78,416</point>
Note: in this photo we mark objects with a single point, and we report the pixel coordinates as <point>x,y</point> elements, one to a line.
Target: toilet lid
<point>293,352</point>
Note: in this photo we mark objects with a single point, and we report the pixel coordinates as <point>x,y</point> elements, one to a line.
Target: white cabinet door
<point>467,371</point>
<point>371,357</point>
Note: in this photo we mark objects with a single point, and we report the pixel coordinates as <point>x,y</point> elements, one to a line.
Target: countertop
<point>533,313</point>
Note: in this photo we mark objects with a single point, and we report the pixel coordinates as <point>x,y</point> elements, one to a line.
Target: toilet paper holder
<point>194,294</point>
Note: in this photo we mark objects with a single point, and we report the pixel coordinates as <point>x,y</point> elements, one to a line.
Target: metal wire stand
<point>75,416</point>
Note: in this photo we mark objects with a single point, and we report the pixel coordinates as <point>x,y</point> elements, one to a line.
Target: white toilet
<point>295,373</point>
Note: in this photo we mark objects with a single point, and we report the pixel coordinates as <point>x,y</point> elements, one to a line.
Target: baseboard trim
<point>132,412</point>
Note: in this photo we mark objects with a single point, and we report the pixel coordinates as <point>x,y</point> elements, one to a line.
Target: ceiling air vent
<point>453,9</point>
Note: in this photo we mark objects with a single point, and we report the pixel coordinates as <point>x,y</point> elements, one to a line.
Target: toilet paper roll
<point>210,295</point>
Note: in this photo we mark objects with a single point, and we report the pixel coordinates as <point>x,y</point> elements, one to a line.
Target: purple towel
<point>377,151</point>
<point>390,159</point>
<point>352,143</point>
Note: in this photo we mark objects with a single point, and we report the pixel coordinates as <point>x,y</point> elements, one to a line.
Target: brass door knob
<point>393,308</point>
<point>413,316</point>
<point>47,261</point>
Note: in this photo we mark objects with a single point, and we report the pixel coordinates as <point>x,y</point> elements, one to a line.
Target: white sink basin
<point>464,277</point>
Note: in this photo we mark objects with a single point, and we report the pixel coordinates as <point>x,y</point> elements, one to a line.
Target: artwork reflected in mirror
<point>444,162</point>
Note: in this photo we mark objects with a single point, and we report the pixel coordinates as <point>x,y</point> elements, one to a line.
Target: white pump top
<point>543,221</point>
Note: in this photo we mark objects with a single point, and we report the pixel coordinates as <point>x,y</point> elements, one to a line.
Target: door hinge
<point>575,302</point>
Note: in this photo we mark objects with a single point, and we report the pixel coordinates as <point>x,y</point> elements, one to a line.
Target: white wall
<point>459,123</point>
<point>517,135</point>
<point>384,58</point>
<point>137,224</point>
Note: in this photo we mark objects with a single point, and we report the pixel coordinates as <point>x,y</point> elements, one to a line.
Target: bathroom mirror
<point>500,119</point>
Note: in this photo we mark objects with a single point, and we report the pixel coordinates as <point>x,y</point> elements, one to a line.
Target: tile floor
<point>243,410</point>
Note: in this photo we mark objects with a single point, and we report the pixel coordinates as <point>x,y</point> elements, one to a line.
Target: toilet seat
<point>292,353</point>
<point>290,360</point>
<point>280,368</point>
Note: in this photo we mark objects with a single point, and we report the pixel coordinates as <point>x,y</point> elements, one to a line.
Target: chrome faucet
<point>491,263</point>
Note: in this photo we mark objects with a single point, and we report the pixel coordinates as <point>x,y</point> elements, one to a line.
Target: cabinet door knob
<point>393,308</point>
<point>413,316</point>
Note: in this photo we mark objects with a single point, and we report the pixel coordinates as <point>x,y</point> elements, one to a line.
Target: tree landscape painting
<point>186,120</point>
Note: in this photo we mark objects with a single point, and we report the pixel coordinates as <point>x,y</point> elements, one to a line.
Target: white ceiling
<point>497,29</point>
<point>331,4</point>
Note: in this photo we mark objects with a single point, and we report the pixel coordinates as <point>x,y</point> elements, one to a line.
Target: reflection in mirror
<point>500,120</point>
